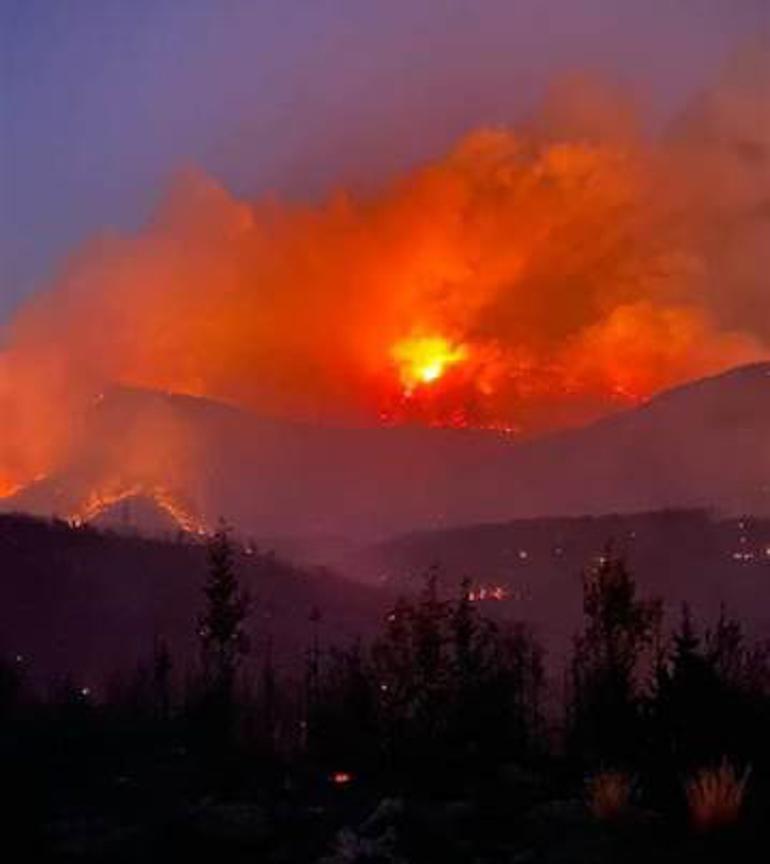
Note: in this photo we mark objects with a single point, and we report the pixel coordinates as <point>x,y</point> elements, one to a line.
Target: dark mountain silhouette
<point>681,556</point>
<point>87,603</point>
<point>706,444</point>
<point>81,601</point>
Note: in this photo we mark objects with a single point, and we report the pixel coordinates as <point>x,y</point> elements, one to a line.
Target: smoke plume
<point>530,278</point>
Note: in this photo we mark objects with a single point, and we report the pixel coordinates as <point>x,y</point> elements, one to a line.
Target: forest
<point>443,737</point>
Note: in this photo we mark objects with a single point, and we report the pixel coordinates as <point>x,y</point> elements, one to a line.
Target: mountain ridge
<point>702,444</point>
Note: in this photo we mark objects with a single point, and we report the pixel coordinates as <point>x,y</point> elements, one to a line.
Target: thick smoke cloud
<point>575,265</point>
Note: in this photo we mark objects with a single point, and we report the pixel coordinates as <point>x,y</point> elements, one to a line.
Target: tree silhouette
<point>452,685</point>
<point>223,644</point>
<point>220,627</point>
<point>605,713</point>
<point>710,697</point>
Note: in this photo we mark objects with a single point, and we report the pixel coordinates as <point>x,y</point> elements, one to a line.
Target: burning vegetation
<point>529,279</point>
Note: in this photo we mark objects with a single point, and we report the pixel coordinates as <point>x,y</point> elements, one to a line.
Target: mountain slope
<point>80,601</point>
<point>683,556</point>
<point>704,444</point>
<point>74,600</point>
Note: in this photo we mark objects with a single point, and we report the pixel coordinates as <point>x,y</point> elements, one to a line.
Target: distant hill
<point>535,565</point>
<point>706,444</point>
<point>80,601</point>
<point>87,603</point>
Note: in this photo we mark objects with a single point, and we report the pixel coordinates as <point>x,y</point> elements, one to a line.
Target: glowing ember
<point>341,778</point>
<point>488,592</point>
<point>423,360</point>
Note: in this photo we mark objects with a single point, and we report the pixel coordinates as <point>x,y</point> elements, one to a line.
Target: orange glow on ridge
<point>526,280</point>
<point>99,501</point>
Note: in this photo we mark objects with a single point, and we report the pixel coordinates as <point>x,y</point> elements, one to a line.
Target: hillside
<point>74,601</point>
<point>706,444</point>
<point>535,565</point>
<point>83,602</point>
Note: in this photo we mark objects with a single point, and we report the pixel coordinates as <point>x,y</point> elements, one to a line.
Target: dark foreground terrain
<point>148,712</point>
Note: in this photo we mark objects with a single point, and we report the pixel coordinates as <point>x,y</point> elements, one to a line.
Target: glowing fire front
<point>423,360</point>
<point>530,279</point>
<point>99,501</point>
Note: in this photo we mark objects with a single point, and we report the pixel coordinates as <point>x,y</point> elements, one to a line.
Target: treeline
<point>435,704</point>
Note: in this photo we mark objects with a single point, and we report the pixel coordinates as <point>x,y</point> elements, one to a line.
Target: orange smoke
<point>525,280</point>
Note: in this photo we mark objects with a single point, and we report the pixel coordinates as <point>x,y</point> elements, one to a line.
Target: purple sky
<point>100,100</point>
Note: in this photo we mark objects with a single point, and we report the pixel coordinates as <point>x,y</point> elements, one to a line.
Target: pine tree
<point>619,628</point>
<point>711,696</point>
<point>221,631</point>
<point>453,686</point>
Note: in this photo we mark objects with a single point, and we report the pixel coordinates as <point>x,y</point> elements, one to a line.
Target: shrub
<point>715,796</point>
<point>608,795</point>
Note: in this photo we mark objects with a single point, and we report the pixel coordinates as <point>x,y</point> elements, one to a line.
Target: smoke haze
<point>569,264</point>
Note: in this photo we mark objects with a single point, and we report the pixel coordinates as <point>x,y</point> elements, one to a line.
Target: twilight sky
<point>101,100</point>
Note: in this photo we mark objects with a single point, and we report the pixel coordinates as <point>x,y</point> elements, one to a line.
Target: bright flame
<point>8,488</point>
<point>99,501</point>
<point>423,360</point>
<point>526,280</point>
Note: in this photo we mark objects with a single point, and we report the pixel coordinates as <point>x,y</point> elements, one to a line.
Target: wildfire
<point>99,501</point>
<point>423,360</point>
<point>488,592</point>
<point>527,280</point>
<point>9,488</point>
<point>183,518</point>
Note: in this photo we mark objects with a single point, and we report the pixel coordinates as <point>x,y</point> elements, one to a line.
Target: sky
<point>101,101</point>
